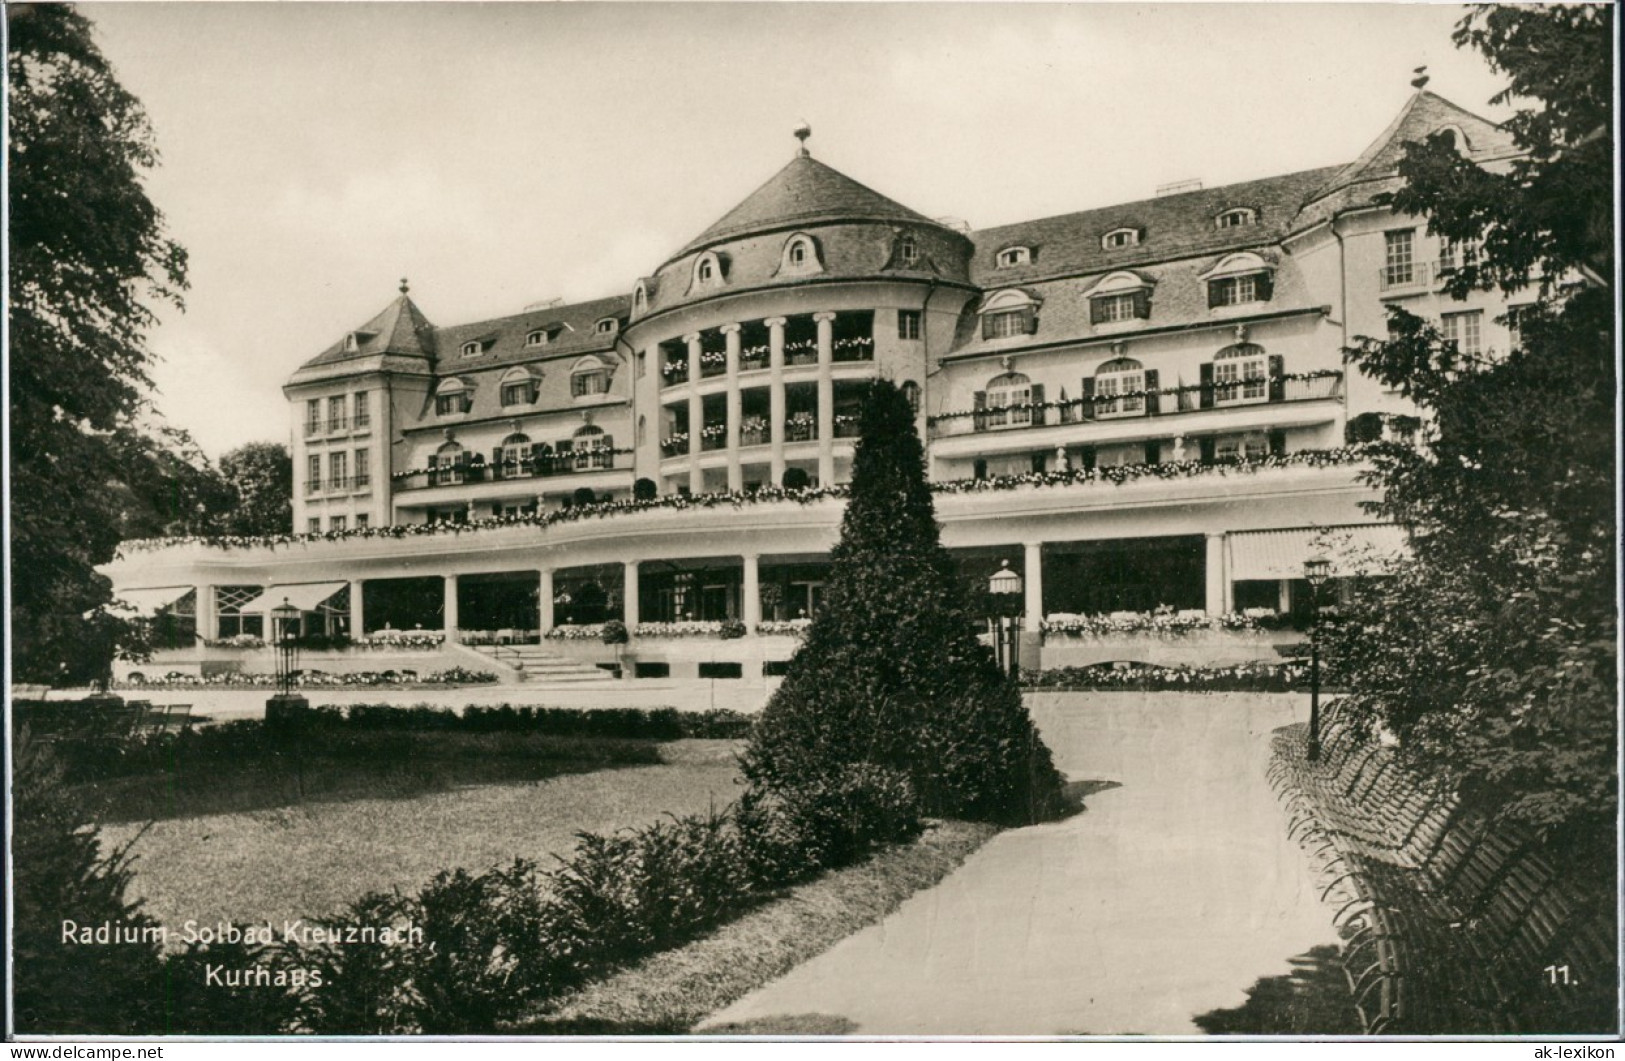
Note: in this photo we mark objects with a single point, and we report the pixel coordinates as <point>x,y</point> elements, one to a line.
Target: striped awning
<point>145,603</point>
<point>1277,554</point>
<point>307,596</point>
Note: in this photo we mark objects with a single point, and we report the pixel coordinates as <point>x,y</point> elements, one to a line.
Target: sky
<point>502,154</point>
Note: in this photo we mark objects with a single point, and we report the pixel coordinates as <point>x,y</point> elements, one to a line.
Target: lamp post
<point>284,627</point>
<point>1004,590</point>
<point>1315,571</point>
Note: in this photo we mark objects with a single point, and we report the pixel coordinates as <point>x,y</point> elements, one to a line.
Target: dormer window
<point>537,337</point>
<point>640,299</point>
<point>908,249</point>
<point>472,349</point>
<point>1013,256</point>
<point>1119,238</point>
<point>351,343</point>
<point>1009,313</point>
<point>588,378</point>
<point>710,270</point>
<point>452,398</point>
<point>800,255</point>
<point>1455,139</point>
<point>1239,280</point>
<point>1118,298</point>
<point>1237,218</point>
<point>519,387</point>
<point>607,326</point>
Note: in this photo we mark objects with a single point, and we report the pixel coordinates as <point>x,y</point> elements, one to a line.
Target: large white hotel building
<point>1141,406</point>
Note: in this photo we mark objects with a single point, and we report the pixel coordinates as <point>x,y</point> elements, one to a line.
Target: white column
<point>826,398</point>
<point>696,414</point>
<point>358,615</point>
<point>736,480</point>
<point>450,608</point>
<point>544,600</point>
<point>1283,596</point>
<point>208,617</point>
<point>1218,578</point>
<point>751,606</point>
<point>629,595</point>
<point>1033,583</point>
<point>775,397</point>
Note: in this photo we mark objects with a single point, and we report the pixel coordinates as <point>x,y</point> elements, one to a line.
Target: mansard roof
<point>1171,226</point>
<point>803,193</point>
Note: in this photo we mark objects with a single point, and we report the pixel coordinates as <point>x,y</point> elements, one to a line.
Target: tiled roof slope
<point>400,330</point>
<point>504,338</point>
<point>1422,116</point>
<point>1173,226</point>
<point>1178,297</point>
<point>802,193</point>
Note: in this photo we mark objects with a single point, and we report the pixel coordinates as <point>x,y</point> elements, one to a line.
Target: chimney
<point>1193,184</point>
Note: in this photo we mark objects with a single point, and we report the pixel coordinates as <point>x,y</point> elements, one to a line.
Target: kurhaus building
<point>1141,408</point>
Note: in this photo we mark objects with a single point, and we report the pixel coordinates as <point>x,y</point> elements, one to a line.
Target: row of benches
<point>1452,924</point>
<point>109,719</point>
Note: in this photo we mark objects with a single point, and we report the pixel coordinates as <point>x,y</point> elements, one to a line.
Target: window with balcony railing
<point>1119,389</point>
<point>1399,258</point>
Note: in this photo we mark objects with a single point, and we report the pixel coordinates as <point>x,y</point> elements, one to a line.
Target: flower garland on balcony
<point>576,632</point>
<point>1119,475</point>
<point>673,368</point>
<point>858,342</point>
<point>1104,399</point>
<point>1161,621</point>
<point>714,431</point>
<point>801,346</point>
<point>677,443</point>
<point>682,628</point>
<point>714,357</point>
<point>783,627</point>
<point>402,639</point>
<point>759,352</point>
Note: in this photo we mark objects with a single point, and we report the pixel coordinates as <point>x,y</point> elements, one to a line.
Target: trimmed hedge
<point>1287,677</point>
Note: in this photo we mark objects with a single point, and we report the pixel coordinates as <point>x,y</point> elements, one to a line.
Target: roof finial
<point>1421,79</point>
<point>802,132</point>
<point>405,287</point>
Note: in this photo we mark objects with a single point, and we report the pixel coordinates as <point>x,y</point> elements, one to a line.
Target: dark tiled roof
<point>1174,226</point>
<point>1178,297</point>
<point>400,330</point>
<point>572,330</point>
<point>802,193</point>
<point>1423,115</point>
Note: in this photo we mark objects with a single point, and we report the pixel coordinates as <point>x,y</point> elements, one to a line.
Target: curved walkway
<point>1166,899</point>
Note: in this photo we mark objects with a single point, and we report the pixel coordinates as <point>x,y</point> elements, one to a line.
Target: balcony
<point>801,427</point>
<point>714,436</point>
<point>313,486</point>
<point>1159,405</point>
<point>363,422</point>
<point>544,466</point>
<point>1404,279</point>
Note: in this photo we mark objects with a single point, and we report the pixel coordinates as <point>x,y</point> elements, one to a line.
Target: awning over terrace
<point>307,596</point>
<point>145,603</point>
<point>1276,554</point>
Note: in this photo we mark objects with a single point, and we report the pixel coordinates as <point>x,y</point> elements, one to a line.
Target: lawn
<point>309,859</point>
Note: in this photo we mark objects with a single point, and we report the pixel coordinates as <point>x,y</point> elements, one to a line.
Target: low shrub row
<point>1291,676</point>
<point>469,952</point>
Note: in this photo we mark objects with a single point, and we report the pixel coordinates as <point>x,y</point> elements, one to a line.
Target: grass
<point>672,992</point>
<point>309,859</point>
<point>349,766</point>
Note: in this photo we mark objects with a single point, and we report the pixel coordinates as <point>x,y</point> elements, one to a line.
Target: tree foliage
<point>890,673</point>
<point>1491,653</point>
<point>260,477</point>
<point>89,259</point>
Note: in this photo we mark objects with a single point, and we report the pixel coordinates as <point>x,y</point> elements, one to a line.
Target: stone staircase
<point>536,663</point>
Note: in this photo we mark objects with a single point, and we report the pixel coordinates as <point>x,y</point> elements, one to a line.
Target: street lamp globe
<point>1005,583</point>
<point>1316,570</point>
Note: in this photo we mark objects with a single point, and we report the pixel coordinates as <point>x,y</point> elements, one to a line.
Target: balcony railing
<point>1404,277</point>
<point>846,427</point>
<point>537,467</point>
<point>714,437</point>
<point>363,422</point>
<point>1312,386</point>
<point>801,430</point>
<point>313,486</point>
<point>674,372</point>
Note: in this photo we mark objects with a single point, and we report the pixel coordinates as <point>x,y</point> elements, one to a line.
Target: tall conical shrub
<point>890,673</point>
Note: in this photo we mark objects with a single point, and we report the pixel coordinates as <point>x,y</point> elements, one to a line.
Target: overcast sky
<point>503,154</point>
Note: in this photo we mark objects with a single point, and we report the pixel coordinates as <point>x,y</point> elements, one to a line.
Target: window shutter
<point>434,460</point>
<point>1086,401</point>
<point>1153,452</point>
<point>566,446</point>
<point>1097,310</point>
<point>1264,285</point>
<point>1277,443</point>
<point>979,469</point>
<point>608,442</point>
<point>1029,318</point>
<point>979,411</point>
<point>1037,398</point>
<point>1209,449</point>
<point>987,326</point>
<point>1207,390</point>
<point>1142,304</point>
<point>1214,293</point>
<point>1277,365</point>
<point>1153,400</point>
